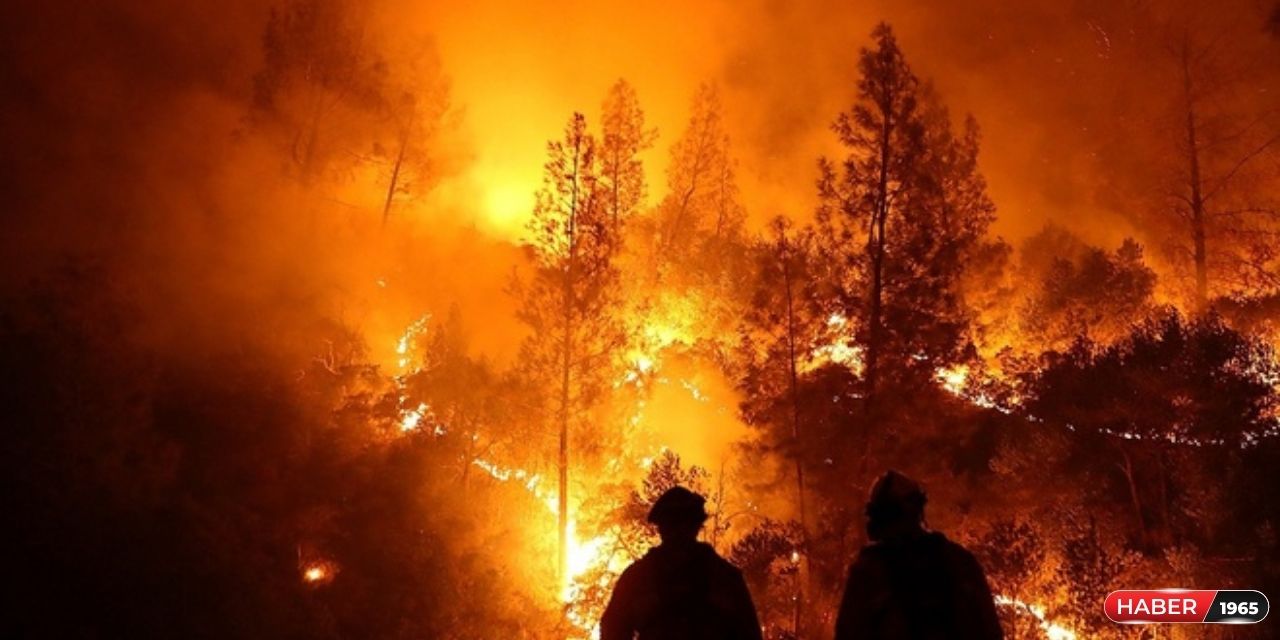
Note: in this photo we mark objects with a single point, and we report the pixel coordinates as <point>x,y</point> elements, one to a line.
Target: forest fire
<point>1051,631</point>
<point>582,553</point>
<point>392,319</point>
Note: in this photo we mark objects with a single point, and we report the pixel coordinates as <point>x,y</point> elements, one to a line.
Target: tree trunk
<point>395,170</point>
<point>722,212</point>
<point>795,417</point>
<point>565,378</point>
<point>715,522</point>
<point>678,218</point>
<point>1196,203</point>
<point>617,175</point>
<point>876,249</point>
<point>794,377</point>
<point>1134,497</point>
<point>1165,518</point>
<point>685,198</point>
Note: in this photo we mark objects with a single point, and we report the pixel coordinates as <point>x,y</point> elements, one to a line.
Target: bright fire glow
<point>953,379</point>
<point>405,345</point>
<point>840,351</point>
<point>508,204</point>
<point>582,553</point>
<point>409,421</point>
<point>1051,630</point>
<point>316,573</point>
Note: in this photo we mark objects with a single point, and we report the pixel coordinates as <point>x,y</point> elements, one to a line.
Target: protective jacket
<point>919,586</point>
<point>680,592</point>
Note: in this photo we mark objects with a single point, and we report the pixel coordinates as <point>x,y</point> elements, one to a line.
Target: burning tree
<point>415,101</point>
<point>691,248</point>
<point>780,331</point>
<point>900,216</point>
<point>571,299</point>
<point>320,84</point>
<point>702,206</point>
<point>450,393</point>
<point>1225,225</point>
<point>622,140</point>
<point>1141,403</point>
<point>1084,293</point>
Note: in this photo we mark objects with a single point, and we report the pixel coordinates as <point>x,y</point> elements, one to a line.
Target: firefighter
<point>681,589</point>
<point>911,583</point>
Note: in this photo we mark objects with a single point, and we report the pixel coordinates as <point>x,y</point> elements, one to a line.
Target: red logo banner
<point>1186,605</point>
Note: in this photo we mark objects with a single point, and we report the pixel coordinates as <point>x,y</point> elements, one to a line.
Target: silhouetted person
<point>680,589</point>
<point>912,583</point>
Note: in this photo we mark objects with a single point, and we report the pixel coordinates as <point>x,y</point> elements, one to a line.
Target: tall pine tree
<point>623,138</point>
<point>570,303</point>
<point>702,205</point>
<point>900,214</point>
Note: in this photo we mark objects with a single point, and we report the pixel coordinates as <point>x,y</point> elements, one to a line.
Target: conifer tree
<point>570,303</point>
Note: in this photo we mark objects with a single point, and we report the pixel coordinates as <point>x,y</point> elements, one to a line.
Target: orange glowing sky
<point>519,69</point>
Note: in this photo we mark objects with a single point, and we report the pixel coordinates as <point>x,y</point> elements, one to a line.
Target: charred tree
<point>1224,222</point>
<point>779,332</point>
<point>416,103</point>
<point>318,70</point>
<point>1195,201</point>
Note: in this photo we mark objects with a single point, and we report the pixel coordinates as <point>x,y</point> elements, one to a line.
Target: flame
<point>410,419</point>
<point>405,345</point>
<point>841,351</point>
<point>318,572</point>
<point>953,379</point>
<point>583,553</point>
<point>1051,629</point>
<point>642,363</point>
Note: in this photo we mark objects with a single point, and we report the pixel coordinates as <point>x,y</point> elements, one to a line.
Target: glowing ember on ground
<point>317,573</point>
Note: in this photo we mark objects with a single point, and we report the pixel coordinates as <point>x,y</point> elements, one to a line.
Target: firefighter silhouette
<point>911,583</point>
<point>681,589</point>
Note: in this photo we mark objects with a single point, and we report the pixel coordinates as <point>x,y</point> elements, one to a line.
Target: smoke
<point>1072,97</point>
<point>129,141</point>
